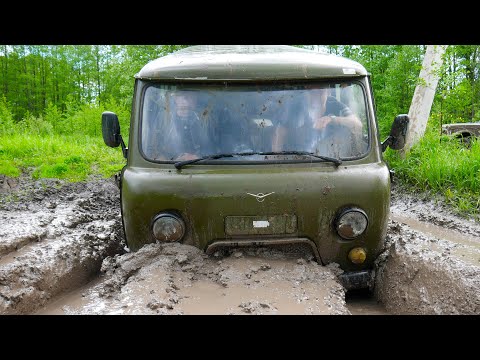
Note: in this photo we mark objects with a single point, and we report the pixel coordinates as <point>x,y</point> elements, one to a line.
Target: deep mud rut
<point>62,252</point>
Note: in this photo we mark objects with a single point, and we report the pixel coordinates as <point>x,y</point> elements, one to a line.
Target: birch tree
<point>424,93</point>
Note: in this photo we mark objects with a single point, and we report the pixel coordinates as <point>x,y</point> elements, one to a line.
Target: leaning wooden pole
<point>423,97</point>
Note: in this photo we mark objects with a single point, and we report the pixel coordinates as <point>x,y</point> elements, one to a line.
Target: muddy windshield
<point>188,122</point>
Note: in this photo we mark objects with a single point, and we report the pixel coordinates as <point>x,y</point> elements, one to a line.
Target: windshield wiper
<point>337,162</point>
<point>180,164</point>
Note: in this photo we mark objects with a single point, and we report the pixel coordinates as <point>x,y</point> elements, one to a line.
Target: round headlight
<point>168,227</point>
<point>351,223</point>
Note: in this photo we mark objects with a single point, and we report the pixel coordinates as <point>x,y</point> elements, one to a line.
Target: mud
<point>62,252</point>
<point>53,238</point>
<point>364,302</point>
<point>432,260</point>
<point>181,279</point>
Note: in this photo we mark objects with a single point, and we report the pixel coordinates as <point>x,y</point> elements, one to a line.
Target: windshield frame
<point>294,159</point>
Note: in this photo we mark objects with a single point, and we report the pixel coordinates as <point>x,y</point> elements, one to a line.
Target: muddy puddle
<point>431,265</point>
<point>62,252</point>
<point>456,243</point>
<point>361,302</point>
<point>183,280</point>
<point>53,239</point>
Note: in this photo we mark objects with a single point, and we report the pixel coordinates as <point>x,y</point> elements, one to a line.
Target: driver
<point>187,138</point>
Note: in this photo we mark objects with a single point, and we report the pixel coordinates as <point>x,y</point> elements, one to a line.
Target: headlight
<point>168,227</point>
<point>351,223</point>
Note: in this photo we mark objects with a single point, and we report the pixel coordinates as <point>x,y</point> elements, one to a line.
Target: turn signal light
<point>357,255</point>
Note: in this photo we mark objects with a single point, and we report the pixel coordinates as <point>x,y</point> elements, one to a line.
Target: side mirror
<point>110,129</point>
<point>398,133</point>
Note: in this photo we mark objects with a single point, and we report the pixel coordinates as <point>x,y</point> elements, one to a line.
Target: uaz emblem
<point>261,196</point>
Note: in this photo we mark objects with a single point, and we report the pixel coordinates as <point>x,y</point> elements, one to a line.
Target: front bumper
<point>246,242</point>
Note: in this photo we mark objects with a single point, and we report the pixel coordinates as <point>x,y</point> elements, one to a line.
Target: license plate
<point>260,225</point>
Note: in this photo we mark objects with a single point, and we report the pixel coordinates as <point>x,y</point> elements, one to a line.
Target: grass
<point>73,158</point>
<point>444,166</point>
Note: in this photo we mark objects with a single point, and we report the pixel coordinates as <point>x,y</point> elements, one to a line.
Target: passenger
<point>321,117</point>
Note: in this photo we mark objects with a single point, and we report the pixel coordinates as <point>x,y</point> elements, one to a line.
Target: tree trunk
<point>423,97</point>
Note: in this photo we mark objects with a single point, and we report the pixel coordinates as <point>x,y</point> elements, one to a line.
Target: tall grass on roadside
<point>59,144</point>
<point>443,165</point>
<point>74,158</point>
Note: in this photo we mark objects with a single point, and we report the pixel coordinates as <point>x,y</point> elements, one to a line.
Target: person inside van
<point>186,133</point>
<point>322,124</point>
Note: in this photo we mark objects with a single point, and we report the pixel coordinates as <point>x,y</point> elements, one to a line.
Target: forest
<point>52,97</point>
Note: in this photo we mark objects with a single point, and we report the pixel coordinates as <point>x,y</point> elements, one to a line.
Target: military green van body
<point>284,199</point>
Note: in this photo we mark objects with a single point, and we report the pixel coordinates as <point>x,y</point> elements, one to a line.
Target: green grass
<point>73,158</point>
<point>444,166</point>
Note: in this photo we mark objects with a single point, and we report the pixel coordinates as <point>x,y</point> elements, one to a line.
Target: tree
<point>423,97</point>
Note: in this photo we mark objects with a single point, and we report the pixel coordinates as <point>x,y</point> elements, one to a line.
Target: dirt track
<point>432,262</point>
<point>62,252</point>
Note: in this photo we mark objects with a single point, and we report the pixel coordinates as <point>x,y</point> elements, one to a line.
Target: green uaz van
<point>244,146</point>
